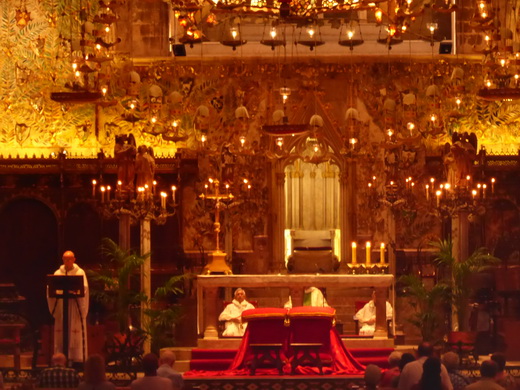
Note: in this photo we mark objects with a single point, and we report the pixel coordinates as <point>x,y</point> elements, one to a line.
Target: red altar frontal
<point>297,341</point>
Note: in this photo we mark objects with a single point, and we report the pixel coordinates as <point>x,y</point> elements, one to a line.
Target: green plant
<point>161,314</point>
<point>112,283</point>
<point>428,305</point>
<point>116,286</point>
<point>460,271</point>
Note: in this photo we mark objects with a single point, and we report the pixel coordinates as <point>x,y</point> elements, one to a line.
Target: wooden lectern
<point>65,287</point>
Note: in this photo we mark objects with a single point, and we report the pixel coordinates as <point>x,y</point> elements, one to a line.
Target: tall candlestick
<point>484,189</point>
<point>163,200</point>
<point>119,184</point>
<point>492,186</point>
<point>382,253</point>
<point>354,253</point>
<point>102,194</point>
<point>108,192</point>
<point>427,192</point>
<point>154,184</point>
<point>94,182</point>
<point>368,253</point>
<point>438,194</point>
<point>174,190</point>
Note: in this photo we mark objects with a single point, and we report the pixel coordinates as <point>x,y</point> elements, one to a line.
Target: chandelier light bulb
<point>279,142</point>
<point>379,15</point>
<point>104,90</point>
<point>502,62</point>
<point>107,29</point>
<point>203,138</point>
<point>488,83</point>
<point>132,106</point>
<point>517,76</point>
<point>175,124</point>
<point>486,38</point>
<point>350,34</point>
<point>410,126</point>
<point>273,33</point>
<point>316,148</point>
<point>242,140</point>
<point>458,102</point>
<point>432,27</point>
<point>482,5</point>
<point>74,66</point>
<point>390,132</point>
<point>234,32</point>
<point>77,73</point>
<point>311,32</point>
<point>433,117</point>
<point>483,15</point>
<point>154,119</point>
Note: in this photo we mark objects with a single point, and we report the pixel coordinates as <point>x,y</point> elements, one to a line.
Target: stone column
<point>146,285</point>
<point>124,231</point>
<point>460,240</point>
<point>210,313</point>
<point>381,331</point>
<point>278,215</point>
<point>347,205</point>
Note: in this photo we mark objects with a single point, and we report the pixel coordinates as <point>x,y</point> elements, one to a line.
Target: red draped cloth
<point>297,325</point>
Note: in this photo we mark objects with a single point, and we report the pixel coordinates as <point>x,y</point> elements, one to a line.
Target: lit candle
<point>108,192</point>
<point>368,252</point>
<point>484,188</point>
<point>174,189</point>
<point>227,189</point>
<point>103,194</point>
<point>427,192</point>
<point>438,194</point>
<point>382,253</point>
<point>119,184</point>
<point>474,194</point>
<point>154,183</point>
<point>354,253</point>
<point>468,180</point>
<point>492,186</point>
<point>163,200</point>
<point>479,189</point>
<point>94,182</point>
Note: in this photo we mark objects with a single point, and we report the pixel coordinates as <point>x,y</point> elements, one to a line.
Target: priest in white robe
<point>367,316</point>
<point>232,314</point>
<point>78,310</point>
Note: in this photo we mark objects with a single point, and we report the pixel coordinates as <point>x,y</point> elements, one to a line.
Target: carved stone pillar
<point>210,313</point>
<point>278,216</point>
<point>146,286</point>
<point>460,240</point>
<point>381,331</point>
<point>348,221</point>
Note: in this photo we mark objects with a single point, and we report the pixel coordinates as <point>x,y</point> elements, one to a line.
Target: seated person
<point>312,297</point>
<point>232,314</point>
<point>367,316</point>
<point>58,375</point>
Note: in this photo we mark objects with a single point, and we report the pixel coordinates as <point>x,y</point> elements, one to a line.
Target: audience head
<point>406,358</point>
<point>431,376</point>
<point>488,369</point>
<point>500,360</point>
<point>168,357</point>
<point>240,294</point>
<point>59,359</point>
<point>95,369</point>
<point>451,360</point>
<point>425,349</point>
<point>150,364</point>
<point>372,375</point>
<point>394,359</point>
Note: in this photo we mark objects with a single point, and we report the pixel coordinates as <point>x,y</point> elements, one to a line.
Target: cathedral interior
<point>263,137</point>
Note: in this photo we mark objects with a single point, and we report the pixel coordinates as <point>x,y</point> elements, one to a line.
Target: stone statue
<point>144,167</point>
<point>124,154</point>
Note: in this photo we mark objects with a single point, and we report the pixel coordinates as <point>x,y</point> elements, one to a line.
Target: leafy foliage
<point>427,304</point>
<point>461,270</point>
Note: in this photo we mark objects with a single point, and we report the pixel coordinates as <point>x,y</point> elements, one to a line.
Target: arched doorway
<point>28,252</point>
<point>312,204</point>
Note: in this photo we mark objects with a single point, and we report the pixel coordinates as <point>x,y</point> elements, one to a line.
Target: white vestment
<point>367,313</point>
<point>78,310</point>
<point>312,297</point>
<point>234,310</point>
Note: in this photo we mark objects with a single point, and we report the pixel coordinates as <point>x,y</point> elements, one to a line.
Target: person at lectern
<point>232,314</point>
<point>78,310</point>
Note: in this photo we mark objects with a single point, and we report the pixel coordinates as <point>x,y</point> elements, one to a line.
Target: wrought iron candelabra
<point>145,203</point>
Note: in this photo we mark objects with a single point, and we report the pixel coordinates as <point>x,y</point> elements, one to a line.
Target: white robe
<point>78,310</point>
<point>368,312</point>
<point>234,310</point>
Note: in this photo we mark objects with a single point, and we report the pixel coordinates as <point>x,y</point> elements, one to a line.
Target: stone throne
<point>312,252</point>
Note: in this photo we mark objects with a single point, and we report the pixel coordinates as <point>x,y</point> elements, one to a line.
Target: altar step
<point>219,359</point>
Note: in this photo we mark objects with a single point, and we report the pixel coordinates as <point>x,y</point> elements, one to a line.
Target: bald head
<point>59,359</point>
<point>68,260</point>
<point>168,357</point>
